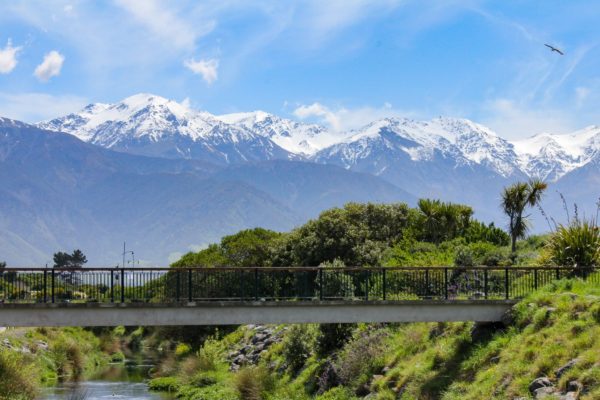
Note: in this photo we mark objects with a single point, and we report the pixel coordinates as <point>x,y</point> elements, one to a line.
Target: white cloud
<point>581,95</point>
<point>8,58</point>
<point>165,22</point>
<point>206,68</point>
<point>343,119</point>
<point>35,107</point>
<point>50,67</point>
<point>515,121</point>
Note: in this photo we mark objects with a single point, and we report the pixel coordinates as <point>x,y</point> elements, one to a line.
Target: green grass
<point>424,360</point>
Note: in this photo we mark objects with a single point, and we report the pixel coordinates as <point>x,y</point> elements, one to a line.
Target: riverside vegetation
<point>337,361</point>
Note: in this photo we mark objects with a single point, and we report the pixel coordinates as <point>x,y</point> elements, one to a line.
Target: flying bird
<point>554,49</point>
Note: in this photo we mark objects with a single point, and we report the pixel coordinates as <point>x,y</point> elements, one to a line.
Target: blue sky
<point>342,63</point>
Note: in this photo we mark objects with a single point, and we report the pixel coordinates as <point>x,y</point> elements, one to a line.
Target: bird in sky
<point>554,49</point>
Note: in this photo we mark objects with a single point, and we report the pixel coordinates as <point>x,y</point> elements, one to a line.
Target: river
<point>116,381</point>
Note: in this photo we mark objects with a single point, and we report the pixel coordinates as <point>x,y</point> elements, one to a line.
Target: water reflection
<point>117,381</point>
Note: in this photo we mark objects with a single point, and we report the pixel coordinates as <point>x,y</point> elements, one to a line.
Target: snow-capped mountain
<point>151,125</point>
<point>467,143</point>
<point>552,156</point>
<point>293,136</point>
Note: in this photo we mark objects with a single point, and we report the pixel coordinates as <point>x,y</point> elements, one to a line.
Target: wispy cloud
<point>161,19</point>
<point>514,120</point>
<point>8,58</point>
<point>35,107</point>
<point>51,66</point>
<point>343,119</point>
<point>205,68</point>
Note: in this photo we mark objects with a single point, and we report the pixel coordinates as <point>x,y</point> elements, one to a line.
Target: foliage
<point>164,384</point>
<point>18,376</point>
<point>442,221</point>
<point>361,358</point>
<point>464,257</point>
<point>575,245</point>
<point>332,337</point>
<point>209,257</point>
<point>247,248</point>
<point>65,260</point>
<point>182,350</point>
<point>355,235</point>
<point>337,393</point>
<point>479,232</point>
<point>515,199</point>
<point>253,383</point>
<point>297,346</point>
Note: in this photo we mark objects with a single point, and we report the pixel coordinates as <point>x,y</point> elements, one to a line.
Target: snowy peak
<point>295,137</point>
<point>463,140</point>
<point>549,156</point>
<point>152,125</point>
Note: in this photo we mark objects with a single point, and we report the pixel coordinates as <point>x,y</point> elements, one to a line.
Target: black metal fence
<point>170,285</point>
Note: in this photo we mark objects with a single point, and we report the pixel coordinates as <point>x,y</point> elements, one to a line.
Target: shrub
<point>296,347</point>
<point>68,357</point>
<point>464,257</point>
<point>18,376</point>
<point>182,350</point>
<point>332,337</point>
<point>337,393</point>
<point>117,357</point>
<point>164,384</point>
<point>253,383</point>
<point>575,245</point>
<point>361,358</point>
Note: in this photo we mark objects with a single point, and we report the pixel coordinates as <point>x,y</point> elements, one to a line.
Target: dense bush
<point>575,245</point>
<point>332,337</point>
<point>253,383</point>
<point>361,358</point>
<point>297,346</point>
<point>18,376</point>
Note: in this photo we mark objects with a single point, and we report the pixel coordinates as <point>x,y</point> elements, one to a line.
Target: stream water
<point>116,381</point>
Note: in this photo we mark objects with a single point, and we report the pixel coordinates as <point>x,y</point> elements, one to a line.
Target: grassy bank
<point>32,358</point>
<point>557,327</point>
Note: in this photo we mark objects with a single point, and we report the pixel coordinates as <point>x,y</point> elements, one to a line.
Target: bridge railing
<point>179,285</point>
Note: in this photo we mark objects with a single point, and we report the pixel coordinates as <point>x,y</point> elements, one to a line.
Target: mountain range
<point>168,178</point>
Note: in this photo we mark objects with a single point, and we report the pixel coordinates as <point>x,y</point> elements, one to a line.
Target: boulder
<point>560,372</point>
<point>574,386</point>
<point>545,392</point>
<point>539,383</point>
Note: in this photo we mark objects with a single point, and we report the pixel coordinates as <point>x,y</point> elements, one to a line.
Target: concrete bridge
<point>226,296</point>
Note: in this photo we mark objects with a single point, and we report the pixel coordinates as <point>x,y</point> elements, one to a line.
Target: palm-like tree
<point>515,199</point>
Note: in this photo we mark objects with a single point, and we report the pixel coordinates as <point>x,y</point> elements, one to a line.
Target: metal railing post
<point>52,288</point>
<point>190,297</point>
<point>112,286</point>
<point>557,273</point>
<point>123,285</point>
<point>178,286</point>
<point>535,279</point>
<point>506,289</point>
<point>485,284</point>
<point>256,284</point>
<point>45,286</point>
<point>446,283</point>
<point>320,283</point>
<point>384,283</point>
<point>367,286</point>
<point>427,283</point>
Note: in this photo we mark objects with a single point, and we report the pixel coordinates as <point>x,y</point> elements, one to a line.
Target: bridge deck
<point>250,312</point>
<point>221,296</point>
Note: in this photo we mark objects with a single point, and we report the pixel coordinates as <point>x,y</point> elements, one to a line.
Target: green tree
<point>249,248</point>
<point>515,199</point>
<point>65,260</point>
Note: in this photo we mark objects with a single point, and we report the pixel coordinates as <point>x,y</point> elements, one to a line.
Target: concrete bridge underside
<point>260,312</point>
